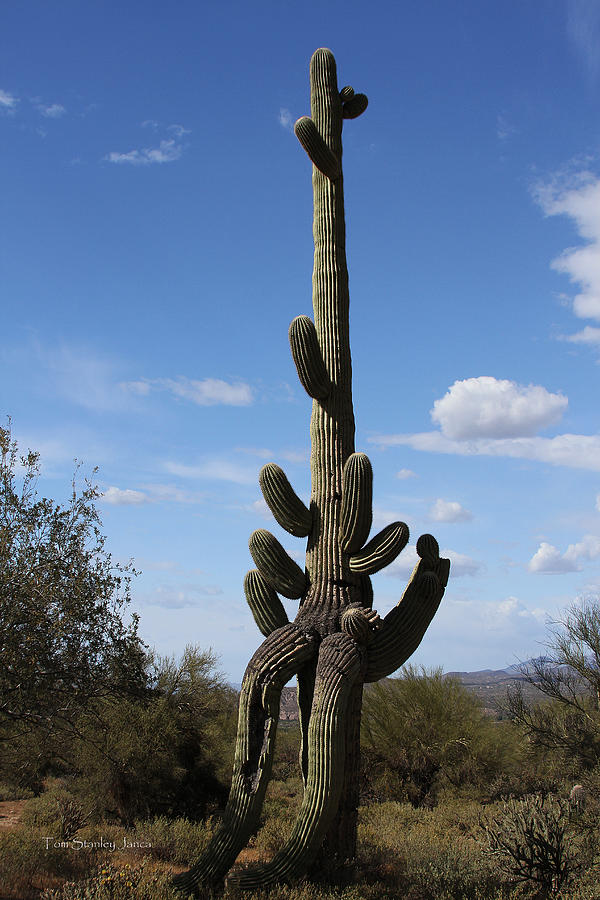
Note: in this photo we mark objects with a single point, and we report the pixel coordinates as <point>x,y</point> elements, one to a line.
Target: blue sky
<point>156,243</point>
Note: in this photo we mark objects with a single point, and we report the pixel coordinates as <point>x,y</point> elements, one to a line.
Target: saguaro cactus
<point>337,642</point>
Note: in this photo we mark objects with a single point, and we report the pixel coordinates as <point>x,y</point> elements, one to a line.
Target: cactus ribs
<point>337,642</point>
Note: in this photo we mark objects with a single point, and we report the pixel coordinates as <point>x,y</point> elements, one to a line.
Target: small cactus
<point>337,641</point>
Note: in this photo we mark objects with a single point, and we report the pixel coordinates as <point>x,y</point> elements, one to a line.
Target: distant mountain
<point>490,685</point>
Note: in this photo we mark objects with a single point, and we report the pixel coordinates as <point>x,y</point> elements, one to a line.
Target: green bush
<point>175,840</point>
<point>28,863</point>
<point>423,731</point>
<point>117,883</point>
<point>10,791</point>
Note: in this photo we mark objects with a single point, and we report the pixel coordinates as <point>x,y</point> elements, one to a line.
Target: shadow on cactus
<point>337,642</point>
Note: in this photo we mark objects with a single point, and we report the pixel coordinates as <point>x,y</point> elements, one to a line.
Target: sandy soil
<point>10,813</point>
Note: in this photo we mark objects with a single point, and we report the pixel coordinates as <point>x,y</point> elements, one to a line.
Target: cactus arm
<point>319,153</point>
<point>354,106</point>
<point>357,502</point>
<point>274,564</point>
<point>308,359</point>
<point>381,550</point>
<point>338,669</point>
<point>274,663</point>
<point>403,628</point>
<point>265,605</point>
<point>284,503</point>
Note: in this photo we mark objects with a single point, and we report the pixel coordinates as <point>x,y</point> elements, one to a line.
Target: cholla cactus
<point>337,642</point>
<point>533,841</point>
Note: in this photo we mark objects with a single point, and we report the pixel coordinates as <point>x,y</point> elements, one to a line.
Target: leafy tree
<point>168,753</point>
<point>424,727</point>
<point>63,638</point>
<point>568,677</point>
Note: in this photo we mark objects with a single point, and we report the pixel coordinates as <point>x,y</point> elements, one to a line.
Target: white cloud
<point>449,511</point>
<point>460,564</point>
<point>178,130</point>
<point>8,102</point>
<point>207,392</point>
<point>598,502</point>
<point>118,497</point>
<point>213,469</point>
<point>170,597</point>
<point>505,613</point>
<point>405,473</point>
<point>487,407</point>
<point>578,451</point>
<point>285,118</point>
<point>588,335</point>
<point>167,151</point>
<point>547,559</point>
<point>577,196</point>
<point>210,391</point>
<point>141,388</point>
<point>152,493</point>
<point>53,111</point>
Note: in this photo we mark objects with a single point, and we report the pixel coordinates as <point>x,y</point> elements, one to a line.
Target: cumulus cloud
<point>449,511</point>
<point>127,497</point>
<point>205,392</point>
<point>403,474</point>
<point>577,196</point>
<point>8,102</point>
<point>486,416</point>
<point>167,151</point>
<point>588,335</point>
<point>548,559</point>
<point>487,407</point>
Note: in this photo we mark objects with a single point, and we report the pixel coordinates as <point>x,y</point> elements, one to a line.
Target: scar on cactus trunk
<point>337,641</point>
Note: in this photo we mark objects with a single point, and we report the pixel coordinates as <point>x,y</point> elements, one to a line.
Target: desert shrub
<point>422,731</point>
<point>9,791</point>
<point>27,863</point>
<point>176,840</point>
<point>533,840</point>
<point>424,854</point>
<point>57,810</point>
<point>167,754</point>
<point>110,882</point>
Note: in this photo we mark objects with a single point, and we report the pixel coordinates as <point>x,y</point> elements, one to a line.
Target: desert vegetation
<point>110,786</point>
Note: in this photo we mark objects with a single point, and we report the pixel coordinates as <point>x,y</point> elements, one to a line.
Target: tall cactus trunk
<point>337,642</point>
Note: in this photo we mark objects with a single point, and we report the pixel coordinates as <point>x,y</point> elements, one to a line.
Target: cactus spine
<point>337,641</point>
